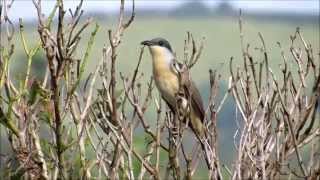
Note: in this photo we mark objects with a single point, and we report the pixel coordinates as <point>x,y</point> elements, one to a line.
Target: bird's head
<point>159,47</point>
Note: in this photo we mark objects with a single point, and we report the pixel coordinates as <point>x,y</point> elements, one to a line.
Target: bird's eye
<point>160,43</point>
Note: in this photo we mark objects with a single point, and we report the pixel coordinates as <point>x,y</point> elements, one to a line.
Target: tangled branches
<point>95,122</point>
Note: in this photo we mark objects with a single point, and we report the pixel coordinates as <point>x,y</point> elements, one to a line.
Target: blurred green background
<point>218,26</point>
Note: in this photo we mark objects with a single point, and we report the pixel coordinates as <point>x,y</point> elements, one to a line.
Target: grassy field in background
<point>221,42</point>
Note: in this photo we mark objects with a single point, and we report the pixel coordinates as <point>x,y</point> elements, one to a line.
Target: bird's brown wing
<point>196,100</point>
<point>170,106</point>
<point>190,88</point>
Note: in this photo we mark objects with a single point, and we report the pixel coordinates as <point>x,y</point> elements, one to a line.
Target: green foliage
<point>86,57</point>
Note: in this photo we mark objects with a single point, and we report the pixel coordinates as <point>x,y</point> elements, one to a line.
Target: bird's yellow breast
<point>166,80</point>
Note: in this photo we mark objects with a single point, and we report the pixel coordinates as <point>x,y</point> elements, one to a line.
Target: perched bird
<point>166,75</point>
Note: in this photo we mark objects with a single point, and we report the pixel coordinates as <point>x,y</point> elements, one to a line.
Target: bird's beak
<point>146,43</point>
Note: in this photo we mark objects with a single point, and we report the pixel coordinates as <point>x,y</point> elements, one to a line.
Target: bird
<point>166,71</point>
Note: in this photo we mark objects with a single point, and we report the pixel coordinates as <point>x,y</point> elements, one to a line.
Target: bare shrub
<point>92,131</point>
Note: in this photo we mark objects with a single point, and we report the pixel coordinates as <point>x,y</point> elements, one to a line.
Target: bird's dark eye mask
<point>157,41</point>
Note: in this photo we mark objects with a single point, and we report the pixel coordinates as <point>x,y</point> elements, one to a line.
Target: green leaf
<point>45,117</point>
<point>34,91</point>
